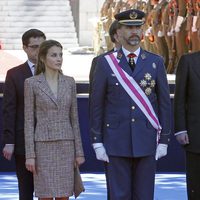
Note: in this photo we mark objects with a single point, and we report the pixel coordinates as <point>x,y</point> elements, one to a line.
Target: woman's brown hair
<point>43,50</point>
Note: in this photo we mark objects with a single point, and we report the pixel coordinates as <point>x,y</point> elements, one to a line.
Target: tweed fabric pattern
<point>55,169</point>
<point>48,118</point>
<point>52,134</point>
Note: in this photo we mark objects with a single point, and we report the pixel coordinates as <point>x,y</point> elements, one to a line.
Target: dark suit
<point>127,135</point>
<point>187,117</point>
<point>13,125</point>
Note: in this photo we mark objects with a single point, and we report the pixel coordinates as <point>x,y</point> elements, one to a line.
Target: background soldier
<point>198,18</point>
<point>106,17</point>
<point>157,29</point>
<point>180,28</point>
<point>192,11</point>
<point>167,16</point>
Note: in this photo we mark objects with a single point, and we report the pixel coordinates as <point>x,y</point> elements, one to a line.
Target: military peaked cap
<point>131,17</point>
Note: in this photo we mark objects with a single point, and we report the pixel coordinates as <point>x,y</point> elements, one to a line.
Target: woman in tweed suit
<point>52,137</point>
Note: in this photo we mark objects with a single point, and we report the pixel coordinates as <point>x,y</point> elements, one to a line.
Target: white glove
<point>194,21</point>
<point>148,31</point>
<point>100,152</point>
<point>171,32</point>
<point>179,21</point>
<point>160,34</point>
<point>161,151</point>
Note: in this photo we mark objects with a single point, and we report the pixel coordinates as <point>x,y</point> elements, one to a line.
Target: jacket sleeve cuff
<point>96,137</point>
<point>164,139</point>
<point>30,155</point>
<point>180,132</point>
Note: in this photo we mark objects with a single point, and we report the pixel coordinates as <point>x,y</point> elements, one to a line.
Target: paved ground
<point>168,187</point>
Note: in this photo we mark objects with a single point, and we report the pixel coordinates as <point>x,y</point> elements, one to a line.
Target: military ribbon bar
<point>135,92</point>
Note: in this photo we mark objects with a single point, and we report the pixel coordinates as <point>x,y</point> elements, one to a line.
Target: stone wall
<point>88,14</point>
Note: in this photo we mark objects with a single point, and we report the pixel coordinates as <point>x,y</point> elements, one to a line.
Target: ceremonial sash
<point>135,92</point>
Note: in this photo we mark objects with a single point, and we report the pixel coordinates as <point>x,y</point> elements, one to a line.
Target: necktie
<point>131,61</point>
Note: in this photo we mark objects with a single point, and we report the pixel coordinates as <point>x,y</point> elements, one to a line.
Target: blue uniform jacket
<point>116,120</point>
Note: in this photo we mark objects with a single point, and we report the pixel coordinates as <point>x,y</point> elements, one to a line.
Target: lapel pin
<point>154,65</point>
<point>143,56</point>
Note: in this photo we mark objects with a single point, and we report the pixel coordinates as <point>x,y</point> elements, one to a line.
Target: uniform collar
<point>126,52</point>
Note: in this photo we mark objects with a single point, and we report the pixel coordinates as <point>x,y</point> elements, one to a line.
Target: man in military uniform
<point>157,29</point>
<point>130,112</point>
<point>197,4</point>
<point>106,17</point>
<point>180,27</point>
<point>150,43</point>
<point>167,17</point>
<point>192,11</point>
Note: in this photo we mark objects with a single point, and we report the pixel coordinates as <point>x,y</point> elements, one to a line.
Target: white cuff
<point>97,145</point>
<point>10,144</point>
<point>194,27</point>
<point>160,34</point>
<point>180,132</point>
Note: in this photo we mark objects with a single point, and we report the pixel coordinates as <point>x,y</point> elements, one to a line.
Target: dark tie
<point>131,61</point>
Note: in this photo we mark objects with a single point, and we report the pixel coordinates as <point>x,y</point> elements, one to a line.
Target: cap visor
<point>132,23</point>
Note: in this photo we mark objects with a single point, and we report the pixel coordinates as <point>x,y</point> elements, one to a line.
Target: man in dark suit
<point>130,112</point>
<point>13,111</point>
<point>187,119</point>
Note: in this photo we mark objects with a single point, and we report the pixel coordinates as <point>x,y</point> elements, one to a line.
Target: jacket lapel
<point>140,62</point>
<point>26,71</point>
<point>62,85</point>
<point>43,85</point>
<point>123,62</point>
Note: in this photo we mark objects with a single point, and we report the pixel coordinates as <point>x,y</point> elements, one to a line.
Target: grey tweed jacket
<point>48,118</point>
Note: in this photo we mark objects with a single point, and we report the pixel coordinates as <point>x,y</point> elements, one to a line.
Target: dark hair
<point>31,33</point>
<point>43,50</point>
<point>113,30</point>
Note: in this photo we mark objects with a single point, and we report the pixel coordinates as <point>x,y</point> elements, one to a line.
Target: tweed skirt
<point>55,169</point>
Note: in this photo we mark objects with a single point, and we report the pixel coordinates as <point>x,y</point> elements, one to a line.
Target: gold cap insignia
<point>133,15</point>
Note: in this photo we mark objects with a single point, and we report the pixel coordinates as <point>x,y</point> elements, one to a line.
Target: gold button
<point>107,125</point>
<point>133,107</point>
<point>116,83</point>
<point>133,120</point>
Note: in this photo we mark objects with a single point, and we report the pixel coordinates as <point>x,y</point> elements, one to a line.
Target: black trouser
<point>193,175</point>
<point>107,184</point>
<point>131,178</point>
<point>25,179</point>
